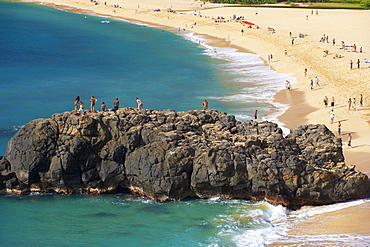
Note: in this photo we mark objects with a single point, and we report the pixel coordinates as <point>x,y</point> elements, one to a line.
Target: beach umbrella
<point>248,23</point>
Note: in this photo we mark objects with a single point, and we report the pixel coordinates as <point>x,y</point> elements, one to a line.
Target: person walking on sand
<point>305,72</point>
<point>92,103</point>
<point>292,41</point>
<point>332,102</point>
<point>351,64</point>
<point>354,104</point>
<point>358,63</point>
<point>116,104</point>
<point>317,82</point>
<point>287,84</point>
<point>361,100</point>
<point>311,85</point>
<point>255,114</point>
<point>349,140</point>
<point>205,105</point>
<point>332,114</point>
<point>339,128</point>
<point>349,104</point>
<point>140,104</point>
<point>326,101</point>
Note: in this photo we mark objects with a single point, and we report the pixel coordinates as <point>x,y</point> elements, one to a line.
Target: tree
<point>365,4</point>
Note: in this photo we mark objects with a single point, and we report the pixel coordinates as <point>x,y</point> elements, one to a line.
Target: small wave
<point>9,131</point>
<point>324,240</point>
<point>248,223</point>
<point>260,223</point>
<point>311,211</point>
<point>261,83</point>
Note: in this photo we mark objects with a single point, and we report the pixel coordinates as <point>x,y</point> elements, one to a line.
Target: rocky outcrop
<point>166,155</point>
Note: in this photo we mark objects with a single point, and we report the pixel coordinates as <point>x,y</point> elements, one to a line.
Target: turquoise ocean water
<point>48,57</point>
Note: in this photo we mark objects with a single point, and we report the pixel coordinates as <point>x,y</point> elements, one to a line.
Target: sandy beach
<point>293,37</point>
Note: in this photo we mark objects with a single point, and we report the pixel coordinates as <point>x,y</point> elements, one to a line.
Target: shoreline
<point>259,42</point>
<point>305,105</point>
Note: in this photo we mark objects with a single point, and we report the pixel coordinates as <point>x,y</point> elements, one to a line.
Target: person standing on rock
<point>205,104</point>
<point>116,104</point>
<point>92,103</point>
<point>82,106</point>
<point>140,104</point>
<point>103,106</point>
<point>76,102</point>
<point>255,115</point>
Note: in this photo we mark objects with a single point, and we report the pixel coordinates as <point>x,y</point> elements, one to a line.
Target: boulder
<point>168,155</point>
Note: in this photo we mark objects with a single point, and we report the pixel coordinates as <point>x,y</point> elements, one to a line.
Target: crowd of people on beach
<point>314,82</point>
<point>352,106</point>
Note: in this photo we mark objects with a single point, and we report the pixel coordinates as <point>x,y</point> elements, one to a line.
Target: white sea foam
<point>260,224</point>
<point>311,211</point>
<point>285,222</point>
<point>261,83</point>
<point>10,129</point>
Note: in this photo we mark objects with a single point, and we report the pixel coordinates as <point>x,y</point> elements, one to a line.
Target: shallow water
<point>116,220</point>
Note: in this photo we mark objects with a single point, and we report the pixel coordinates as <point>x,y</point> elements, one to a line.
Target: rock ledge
<point>168,155</point>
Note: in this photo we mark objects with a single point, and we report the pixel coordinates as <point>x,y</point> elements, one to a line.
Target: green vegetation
<point>366,4</point>
<point>347,4</point>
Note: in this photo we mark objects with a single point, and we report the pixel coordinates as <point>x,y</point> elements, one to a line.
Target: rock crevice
<point>168,155</point>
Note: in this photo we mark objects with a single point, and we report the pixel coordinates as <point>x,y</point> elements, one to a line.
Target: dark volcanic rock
<point>166,155</point>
